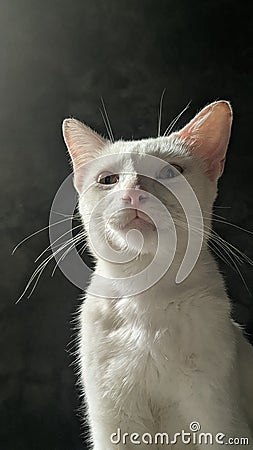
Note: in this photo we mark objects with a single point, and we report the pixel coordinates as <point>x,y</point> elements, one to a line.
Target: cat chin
<point>136,242</point>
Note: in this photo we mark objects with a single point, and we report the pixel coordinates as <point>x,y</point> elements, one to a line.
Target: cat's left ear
<point>207,136</point>
<point>83,145</point>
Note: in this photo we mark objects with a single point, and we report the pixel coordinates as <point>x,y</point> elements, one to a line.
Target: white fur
<point>159,360</point>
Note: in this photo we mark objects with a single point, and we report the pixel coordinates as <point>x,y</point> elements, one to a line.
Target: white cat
<point>156,354</point>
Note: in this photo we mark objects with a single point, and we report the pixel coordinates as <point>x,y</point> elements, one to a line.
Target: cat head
<point>147,185</point>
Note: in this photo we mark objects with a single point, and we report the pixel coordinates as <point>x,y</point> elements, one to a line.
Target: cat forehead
<point>161,147</point>
<point>143,156</point>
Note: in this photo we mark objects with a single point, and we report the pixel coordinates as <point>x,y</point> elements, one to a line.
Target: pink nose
<point>134,197</point>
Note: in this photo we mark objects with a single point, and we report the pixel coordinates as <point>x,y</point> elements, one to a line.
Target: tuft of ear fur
<point>207,136</point>
<point>83,145</point>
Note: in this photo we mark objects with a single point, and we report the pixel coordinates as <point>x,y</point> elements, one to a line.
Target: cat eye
<point>108,179</point>
<point>170,171</point>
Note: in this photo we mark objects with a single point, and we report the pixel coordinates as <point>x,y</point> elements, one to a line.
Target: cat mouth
<point>138,221</point>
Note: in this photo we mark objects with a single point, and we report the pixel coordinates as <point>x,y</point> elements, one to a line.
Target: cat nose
<point>134,197</point>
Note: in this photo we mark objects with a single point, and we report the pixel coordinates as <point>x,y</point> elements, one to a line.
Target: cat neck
<point>201,276</point>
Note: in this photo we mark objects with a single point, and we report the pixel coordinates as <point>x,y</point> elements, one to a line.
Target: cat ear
<point>83,145</point>
<point>207,136</point>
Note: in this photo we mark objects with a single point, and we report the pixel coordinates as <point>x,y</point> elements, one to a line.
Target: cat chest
<point>161,358</point>
<point>151,355</point>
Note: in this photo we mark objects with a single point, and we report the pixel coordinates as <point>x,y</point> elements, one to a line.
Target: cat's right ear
<point>83,145</point>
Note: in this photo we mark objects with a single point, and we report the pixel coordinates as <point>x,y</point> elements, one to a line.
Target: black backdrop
<point>57,59</point>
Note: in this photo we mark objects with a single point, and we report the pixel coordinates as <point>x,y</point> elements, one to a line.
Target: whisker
<point>37,271</point>
<point>238,227</point>
<point>220,219</point>
<point>111,135</point>
<point>74,216</point>
<point>37,232</point>
<point>105,123</point>
<point>237,269</point>
<point>52,244</point>
<point>78,239</point>
<point>174,121</point>
<point>160,114</point>
<point>219,254</point>
<point>40,269</point>
<point>231,247</point>
<point>83,248</point>
<point>214,241</point>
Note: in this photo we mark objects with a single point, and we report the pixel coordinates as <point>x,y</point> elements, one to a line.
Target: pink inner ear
<point>207,136</point>
<point>83,145</point>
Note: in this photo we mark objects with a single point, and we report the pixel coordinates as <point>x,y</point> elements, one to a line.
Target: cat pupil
<point>170,173</point>
<point>108,179</point>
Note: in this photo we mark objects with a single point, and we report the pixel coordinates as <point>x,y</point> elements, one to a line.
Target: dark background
<point>57,59</point>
